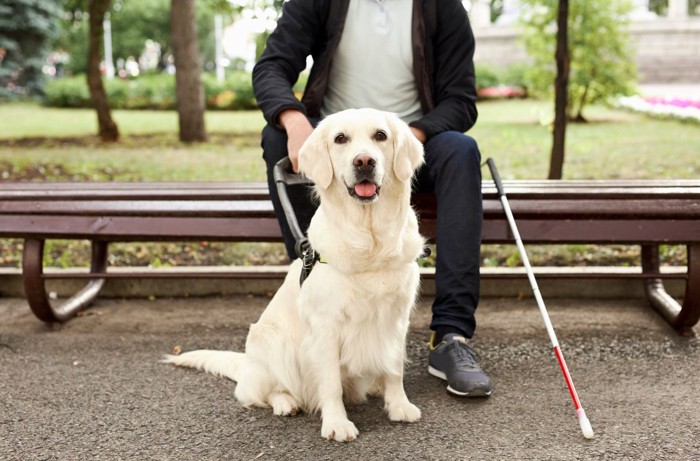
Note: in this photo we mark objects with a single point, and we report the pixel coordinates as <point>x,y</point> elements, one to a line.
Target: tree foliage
<point>26,28</point>
<point>601,63</point>
<point>133,23</point>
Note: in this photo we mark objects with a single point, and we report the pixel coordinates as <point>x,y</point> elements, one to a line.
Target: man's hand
<point>298,130</point>
<point>419,134</point>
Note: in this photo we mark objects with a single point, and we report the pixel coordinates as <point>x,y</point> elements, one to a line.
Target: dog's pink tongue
<point>365,189</point>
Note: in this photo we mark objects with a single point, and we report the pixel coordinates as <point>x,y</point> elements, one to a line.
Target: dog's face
<point>360,150</point>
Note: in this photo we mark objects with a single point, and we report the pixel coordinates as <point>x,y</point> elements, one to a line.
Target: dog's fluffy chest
<point>373,329</point>
<point>359,297</point>
<point>366,351</point>
<point>365,313</point>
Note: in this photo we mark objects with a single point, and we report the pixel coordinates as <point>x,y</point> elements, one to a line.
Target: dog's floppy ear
<point>314,158</point>
<point>408,150</point>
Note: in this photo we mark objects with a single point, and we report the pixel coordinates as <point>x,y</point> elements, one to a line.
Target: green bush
<point>156,91</point>
<point>513,75</point>
<point>234,93</point>
<point>486,77</point>
<point>67,92</point>
<point>147,92</point>
<point>501,83</point>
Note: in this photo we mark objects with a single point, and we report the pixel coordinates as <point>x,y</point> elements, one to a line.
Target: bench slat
<point>129,228</point>
<point>258,190</point>
<point>229,208</point>
<point>552,208</point>
<point>575,209</point>
<point>229,192</point>
<point>122,185</point>
<point>213,185</point>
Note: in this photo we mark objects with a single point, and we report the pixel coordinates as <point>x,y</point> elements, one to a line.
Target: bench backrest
<point>630,211</point>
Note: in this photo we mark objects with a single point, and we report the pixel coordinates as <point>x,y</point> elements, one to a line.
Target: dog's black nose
<point>364,163</point>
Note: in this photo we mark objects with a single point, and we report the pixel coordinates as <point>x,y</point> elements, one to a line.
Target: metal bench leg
<point>682,318</point>
<point>32,274</point>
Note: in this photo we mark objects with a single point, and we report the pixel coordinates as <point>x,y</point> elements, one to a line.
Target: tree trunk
<point>579,118</point>
<point>556,163</point>
<point>188,83</point>
<point>108,130</point>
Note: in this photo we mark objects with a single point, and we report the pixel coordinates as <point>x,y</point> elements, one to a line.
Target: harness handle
<point>285,176</point>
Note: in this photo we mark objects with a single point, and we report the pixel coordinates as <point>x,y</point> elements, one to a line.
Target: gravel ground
<point>93,389</point>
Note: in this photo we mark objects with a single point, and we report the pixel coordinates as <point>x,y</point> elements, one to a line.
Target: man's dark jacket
<point>443,50</point>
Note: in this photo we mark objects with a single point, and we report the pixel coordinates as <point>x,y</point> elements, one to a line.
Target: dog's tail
<point>219,363</point>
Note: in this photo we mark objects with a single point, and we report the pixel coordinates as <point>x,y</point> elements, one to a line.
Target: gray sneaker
<point>455,362</point>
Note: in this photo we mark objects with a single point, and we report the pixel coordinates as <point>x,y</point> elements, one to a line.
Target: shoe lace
<point>464,356</point>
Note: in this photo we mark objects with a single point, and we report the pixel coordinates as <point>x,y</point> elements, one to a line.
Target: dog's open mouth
<point>364,191</point>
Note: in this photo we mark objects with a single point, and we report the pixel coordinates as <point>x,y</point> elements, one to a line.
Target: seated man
<point>414,60</point>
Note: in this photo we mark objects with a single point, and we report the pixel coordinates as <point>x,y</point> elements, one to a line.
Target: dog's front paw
<point>405,412</point>
<point>340,430</point>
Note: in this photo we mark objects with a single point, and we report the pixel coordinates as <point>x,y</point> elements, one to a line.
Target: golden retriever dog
<point>340,335</point>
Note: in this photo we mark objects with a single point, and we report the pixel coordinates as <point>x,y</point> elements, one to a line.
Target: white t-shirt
<point>373,64</point>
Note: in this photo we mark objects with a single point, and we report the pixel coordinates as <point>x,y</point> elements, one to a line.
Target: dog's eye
<point>380,135</point>
<point>340,138</point>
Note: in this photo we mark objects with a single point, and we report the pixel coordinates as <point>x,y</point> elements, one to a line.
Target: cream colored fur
<point>341,336</point>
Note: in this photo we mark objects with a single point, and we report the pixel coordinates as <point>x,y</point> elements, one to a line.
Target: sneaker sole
<point>477,393</point>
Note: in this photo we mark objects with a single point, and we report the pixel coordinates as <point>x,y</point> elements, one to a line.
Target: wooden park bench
<point>638,212</point>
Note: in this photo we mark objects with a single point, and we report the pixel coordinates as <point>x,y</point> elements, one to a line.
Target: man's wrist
<point>288,118</point>
<point>419,134</point>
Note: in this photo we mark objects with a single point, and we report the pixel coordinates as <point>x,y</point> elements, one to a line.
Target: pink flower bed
<point>682,103</point>
<point>502,91</point>
<point>677,108</point>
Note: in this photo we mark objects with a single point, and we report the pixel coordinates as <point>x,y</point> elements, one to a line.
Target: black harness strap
<point>308,261</point>
<point>308,257</point>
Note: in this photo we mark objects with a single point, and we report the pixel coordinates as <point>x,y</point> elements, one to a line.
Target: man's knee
<point>453,149</point>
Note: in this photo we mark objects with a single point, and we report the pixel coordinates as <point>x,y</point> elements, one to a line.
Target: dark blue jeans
<point>452,171</point>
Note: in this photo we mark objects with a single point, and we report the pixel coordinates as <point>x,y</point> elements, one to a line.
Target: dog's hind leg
<point>258,387</point>
<point>254,385</point>
<point>283,404</point>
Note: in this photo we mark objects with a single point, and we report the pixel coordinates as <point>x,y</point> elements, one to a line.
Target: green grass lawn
<point>61,143</point>
<point>614,144</point>
<point>21,120</point>
<point>43,144</point>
